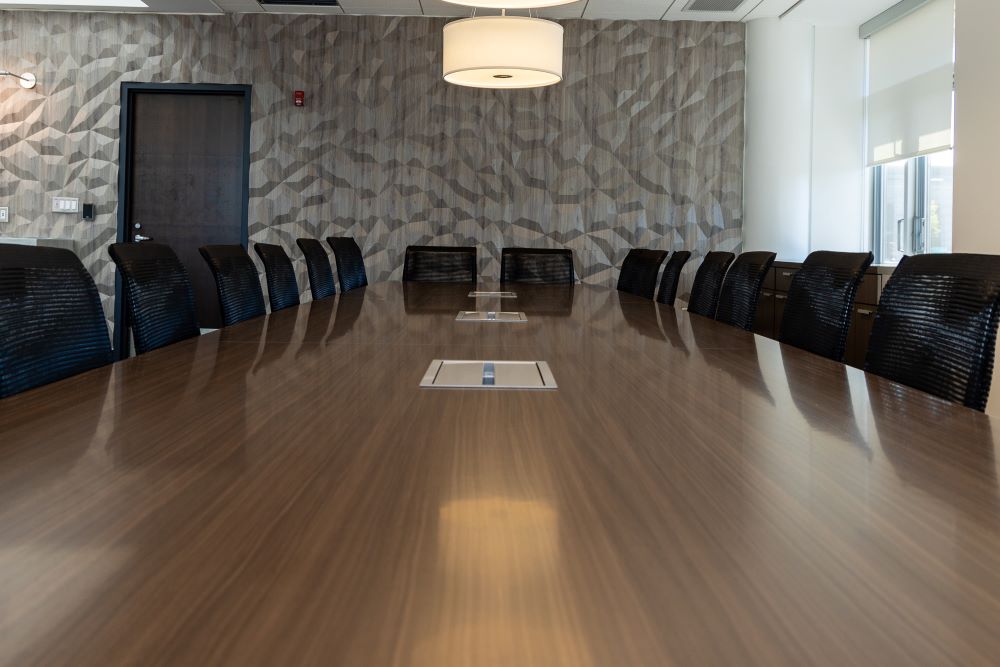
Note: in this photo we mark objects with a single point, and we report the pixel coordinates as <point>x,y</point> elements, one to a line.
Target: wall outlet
<point>4,214</point>
<point>65,205</point>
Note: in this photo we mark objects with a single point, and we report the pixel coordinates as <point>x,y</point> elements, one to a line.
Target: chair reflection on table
<point>349,307</point>
<point>898,411</point>
<point>822,397</point>
<point>217,376</point>
<point>731,362</point>
<point>549,300</point>
<point>437,298</point>
<point>93,409</point>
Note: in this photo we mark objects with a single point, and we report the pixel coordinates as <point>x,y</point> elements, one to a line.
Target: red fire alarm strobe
<point>300,98</point>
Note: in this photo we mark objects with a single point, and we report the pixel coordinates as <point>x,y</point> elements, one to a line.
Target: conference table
<point>284,492</point>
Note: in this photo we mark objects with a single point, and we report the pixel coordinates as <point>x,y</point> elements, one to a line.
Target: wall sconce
<point>27,80</point>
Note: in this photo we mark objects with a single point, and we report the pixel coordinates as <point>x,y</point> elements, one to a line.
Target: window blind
<point>910,83</point>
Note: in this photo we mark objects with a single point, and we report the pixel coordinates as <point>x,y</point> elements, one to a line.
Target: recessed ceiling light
<point>510,4</point>
<point>97,4</point>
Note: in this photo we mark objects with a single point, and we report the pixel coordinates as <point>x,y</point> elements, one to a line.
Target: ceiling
<point>821,12</point>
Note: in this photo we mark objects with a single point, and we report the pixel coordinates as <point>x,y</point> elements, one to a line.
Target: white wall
<point>837,214</point>
<point>977,127</point>
<point>778,162</point>
<point>804,180</point>
<point>977,136</point>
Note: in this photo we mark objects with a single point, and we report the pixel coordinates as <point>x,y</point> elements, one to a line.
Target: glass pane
<point>940,181</point>
<point>893,212</point>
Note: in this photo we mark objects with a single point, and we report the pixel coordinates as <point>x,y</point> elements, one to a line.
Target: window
<point>911,206</point>
<point>910,108</point>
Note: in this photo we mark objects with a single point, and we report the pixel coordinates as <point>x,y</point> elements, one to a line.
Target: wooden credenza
<point>774,296</point>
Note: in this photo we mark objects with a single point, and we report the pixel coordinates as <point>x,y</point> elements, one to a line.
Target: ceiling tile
<point>442,8</point>
<point>573,10</point>
<point>636,10</point>
<point>382,7</point>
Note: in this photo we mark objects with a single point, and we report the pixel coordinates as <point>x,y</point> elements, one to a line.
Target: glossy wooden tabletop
<point>282,492</point>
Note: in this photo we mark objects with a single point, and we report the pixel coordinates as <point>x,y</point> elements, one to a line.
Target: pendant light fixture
<point>504,51</point>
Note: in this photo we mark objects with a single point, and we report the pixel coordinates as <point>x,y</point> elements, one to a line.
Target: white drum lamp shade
<point>503,52</point>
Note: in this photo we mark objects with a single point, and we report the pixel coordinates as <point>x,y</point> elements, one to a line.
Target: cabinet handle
<point>863,312</point>
<point>780,297</point>
<point>787,274</point>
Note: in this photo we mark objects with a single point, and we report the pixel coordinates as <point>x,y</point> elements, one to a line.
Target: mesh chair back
<point>936,326</point>
<point>318,265</point>
<point>237,282</point>
<point>639,272</point>
<point>541,266</point>
<point>439,264</point>
<point>821,300</point>
<point>350,262</point>
<point>672,277</point>
<point>741,290</point>
<point>282,288</point>
<point>708,283</point>
<point>158,294</point>
<point>51,322</point>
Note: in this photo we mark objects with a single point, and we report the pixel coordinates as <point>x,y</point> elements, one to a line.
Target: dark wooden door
<point>187,174</point>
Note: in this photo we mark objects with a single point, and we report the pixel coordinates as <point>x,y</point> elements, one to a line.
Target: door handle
<point>139,238</point>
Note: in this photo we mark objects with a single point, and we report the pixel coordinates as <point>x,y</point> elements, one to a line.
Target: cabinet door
<point>764,324</point>
<point>783,278</point>
<point>862,321</point>
<point>780,301</point>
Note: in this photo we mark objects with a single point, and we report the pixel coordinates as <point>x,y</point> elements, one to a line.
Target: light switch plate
<point>65,205</point>
<point>4,214</point>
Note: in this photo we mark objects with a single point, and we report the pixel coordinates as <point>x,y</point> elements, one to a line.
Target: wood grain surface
<point>283,493</point>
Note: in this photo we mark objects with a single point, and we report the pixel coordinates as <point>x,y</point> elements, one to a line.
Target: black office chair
<point>158,294</point>
<point>539,266</point>
<point>350,262</point>
<point>52,325</point>
<point>672,277</point>
<point>639,272</point>
<point>741,289</point>
<point>237,282</point>
<point>439,264</point>
<point>318,265</point>
<point>820,302</point>
<point>708,283</point>
<point>936,326</point>
<point>282,288</point>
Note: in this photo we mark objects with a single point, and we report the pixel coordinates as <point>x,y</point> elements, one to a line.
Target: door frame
<point>128,89</point>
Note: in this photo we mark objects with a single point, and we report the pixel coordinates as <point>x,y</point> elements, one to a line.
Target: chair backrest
<point>936,326</point>
<point>708,283</point>
<point>237,282</point>
<point>741,290</point>
<point>350,262</point>
<point>439,264</point>
<point>817,315</point>
<point>639,272</point>
<point>51,322</point>
<point>541,266</point>
<point>318,265</point>
<point>672,277</point>
<point>282,288</point>
<point>158,294</point>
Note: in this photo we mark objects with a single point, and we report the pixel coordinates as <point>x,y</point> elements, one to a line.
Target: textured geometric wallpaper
<point>640,146</point>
